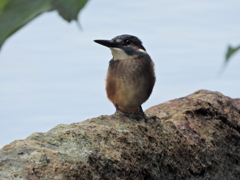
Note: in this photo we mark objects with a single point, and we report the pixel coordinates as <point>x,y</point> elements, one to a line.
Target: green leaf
<point>14,14</point>
<point>17,13</point>
<point>230,52</point>
<point>2,4</point>
<point>68,9</point>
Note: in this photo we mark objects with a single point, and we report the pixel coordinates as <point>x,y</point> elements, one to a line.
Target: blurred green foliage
<point>231,51</point>
<point>14,14</point>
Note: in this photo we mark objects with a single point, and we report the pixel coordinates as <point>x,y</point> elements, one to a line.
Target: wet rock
<point>194,137</point>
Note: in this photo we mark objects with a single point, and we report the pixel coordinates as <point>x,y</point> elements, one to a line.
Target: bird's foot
<point>127,114</point>
<point>138,114</point>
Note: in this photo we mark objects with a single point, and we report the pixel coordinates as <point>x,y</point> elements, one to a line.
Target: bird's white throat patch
<point>119,54</point>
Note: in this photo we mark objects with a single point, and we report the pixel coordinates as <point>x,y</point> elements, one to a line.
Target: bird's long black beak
<point>108,43</point>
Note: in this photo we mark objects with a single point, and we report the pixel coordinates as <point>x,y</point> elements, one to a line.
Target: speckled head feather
<point>126,39</point>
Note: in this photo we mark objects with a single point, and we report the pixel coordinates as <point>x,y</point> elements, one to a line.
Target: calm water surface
<point>52,73</point>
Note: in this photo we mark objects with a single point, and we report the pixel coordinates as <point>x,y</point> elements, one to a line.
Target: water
<point>53,73</point>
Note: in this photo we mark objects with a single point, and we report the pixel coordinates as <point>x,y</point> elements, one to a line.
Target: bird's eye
<point>126,42</point>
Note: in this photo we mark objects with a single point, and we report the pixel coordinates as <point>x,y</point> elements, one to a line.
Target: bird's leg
<point>130,113</point>
<point>145,116</point>
<point>140,111</point>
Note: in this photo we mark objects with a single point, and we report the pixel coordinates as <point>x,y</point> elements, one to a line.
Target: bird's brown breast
<point>130,82</point>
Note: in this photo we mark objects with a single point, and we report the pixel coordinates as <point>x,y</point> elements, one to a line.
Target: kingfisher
<point>130,77</point>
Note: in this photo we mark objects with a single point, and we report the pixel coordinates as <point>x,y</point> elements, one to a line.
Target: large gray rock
<point>194,137</point>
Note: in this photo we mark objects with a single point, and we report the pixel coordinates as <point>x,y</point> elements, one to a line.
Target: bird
<point>131,76</point>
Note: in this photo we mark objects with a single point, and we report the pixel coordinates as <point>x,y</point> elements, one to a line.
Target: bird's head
<point>124,46</point>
